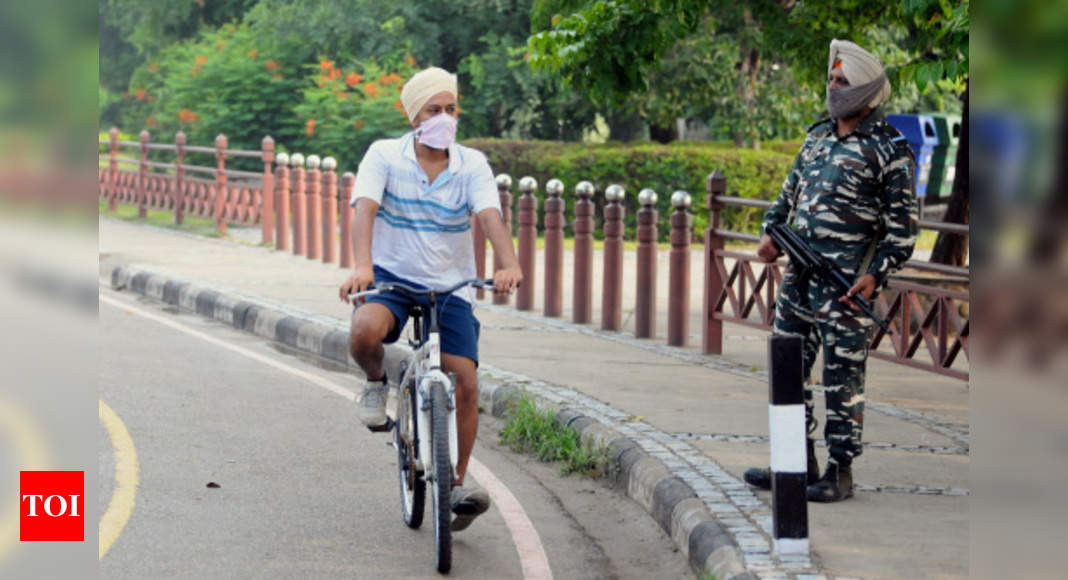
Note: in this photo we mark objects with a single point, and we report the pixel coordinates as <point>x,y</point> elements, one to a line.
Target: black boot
<point>835,485</point>
<point>761,476</point>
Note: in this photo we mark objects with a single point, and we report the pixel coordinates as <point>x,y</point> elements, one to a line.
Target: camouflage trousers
<point>810,311</point>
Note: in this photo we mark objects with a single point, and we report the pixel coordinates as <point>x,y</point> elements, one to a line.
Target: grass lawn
<point>163,219</point>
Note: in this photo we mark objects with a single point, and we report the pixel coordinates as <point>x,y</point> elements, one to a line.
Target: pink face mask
<point>438,131</point>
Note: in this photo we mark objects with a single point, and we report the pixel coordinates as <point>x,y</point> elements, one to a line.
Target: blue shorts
<point>456,319</point>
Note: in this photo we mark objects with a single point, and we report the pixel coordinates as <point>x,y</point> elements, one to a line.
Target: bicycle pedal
<point>387,426</point>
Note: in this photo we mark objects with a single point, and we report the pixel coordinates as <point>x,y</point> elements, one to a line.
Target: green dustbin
<point>944,157</point>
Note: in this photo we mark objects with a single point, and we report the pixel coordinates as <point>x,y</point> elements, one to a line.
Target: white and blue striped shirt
<point>423,230</point>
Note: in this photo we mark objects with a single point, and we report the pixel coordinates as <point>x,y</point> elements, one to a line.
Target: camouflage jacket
<point>847,192</point>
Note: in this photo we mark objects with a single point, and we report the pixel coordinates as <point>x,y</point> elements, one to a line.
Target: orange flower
<point>321,80</point>
<point>326,65</point>
<point>153,67</point>
<point>410,61</point>
<point>371,90</point>
<point>342,95</point>
<point>358,124</point>
<point>271,65</point>
<point>151,122</point>
<point>398,105</point>
<point>150,98</point>
<point>310,128</point>
<point>395,78</point>
<point>252,53</point>
<point>335,74</point>
<point>202,59</point>
<point>353,79</point>
<point>140,94</point>
<point>187,116</point>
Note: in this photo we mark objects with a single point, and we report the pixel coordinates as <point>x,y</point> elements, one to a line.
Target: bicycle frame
<point>425,363</point>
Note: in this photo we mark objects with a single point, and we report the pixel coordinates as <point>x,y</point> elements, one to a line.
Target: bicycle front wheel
<point>441,483</point>
<point>412,484</point>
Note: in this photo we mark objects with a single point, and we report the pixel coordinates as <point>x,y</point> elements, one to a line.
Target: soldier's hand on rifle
<point>767,252</point>
<point>865,286</point>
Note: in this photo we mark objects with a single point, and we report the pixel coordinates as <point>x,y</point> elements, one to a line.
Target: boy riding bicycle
<point>413,197</point>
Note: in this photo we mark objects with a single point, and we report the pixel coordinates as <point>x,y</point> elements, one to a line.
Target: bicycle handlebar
<point>393,286</point>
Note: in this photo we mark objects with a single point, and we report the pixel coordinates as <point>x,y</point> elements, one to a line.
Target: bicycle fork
<point>423,401</point>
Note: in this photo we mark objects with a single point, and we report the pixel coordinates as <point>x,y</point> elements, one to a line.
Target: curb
<point>668,499</point>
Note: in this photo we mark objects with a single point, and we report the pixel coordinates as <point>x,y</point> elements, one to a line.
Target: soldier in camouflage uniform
<point>850,195</point>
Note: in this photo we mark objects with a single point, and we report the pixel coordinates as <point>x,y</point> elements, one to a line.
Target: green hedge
<point>664,168</point>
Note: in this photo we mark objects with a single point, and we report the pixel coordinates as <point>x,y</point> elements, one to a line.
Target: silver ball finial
<point>554,187</point>
<point>329,164</point>
<point>647,197</point>
<point>584,189</point>
<point>614,193</point>
<point>681,200</point>
<point>504,181</point>
<point>528,184</point>
<point>296,160</point>
<point>313,162</point>
<point>282,159</point>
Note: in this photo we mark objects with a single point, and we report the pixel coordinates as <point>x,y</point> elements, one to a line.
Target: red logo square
<point>52,506</point>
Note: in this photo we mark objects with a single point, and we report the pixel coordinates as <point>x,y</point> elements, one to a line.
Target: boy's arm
<point>363,222</point>
<point>508,277</point>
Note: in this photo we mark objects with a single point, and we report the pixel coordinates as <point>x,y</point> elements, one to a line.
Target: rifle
<point>808,262</point>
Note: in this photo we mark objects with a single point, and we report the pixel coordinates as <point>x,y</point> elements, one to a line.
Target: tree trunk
<point>952,249</point>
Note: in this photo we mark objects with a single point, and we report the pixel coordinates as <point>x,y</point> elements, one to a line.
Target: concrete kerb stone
<point>671,502</point>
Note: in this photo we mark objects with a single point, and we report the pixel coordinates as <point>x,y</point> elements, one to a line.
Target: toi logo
<point>52,506</point>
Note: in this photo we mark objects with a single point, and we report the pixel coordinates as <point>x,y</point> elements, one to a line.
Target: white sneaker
<point>468,504</point>
<point>372,405</point>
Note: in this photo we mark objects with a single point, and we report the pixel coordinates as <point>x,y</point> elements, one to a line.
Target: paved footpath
<point>682,426</point>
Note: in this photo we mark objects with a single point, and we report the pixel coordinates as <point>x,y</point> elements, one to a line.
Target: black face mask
<point>846,102</point>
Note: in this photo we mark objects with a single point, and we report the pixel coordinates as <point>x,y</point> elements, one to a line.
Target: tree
<point>612,48</point>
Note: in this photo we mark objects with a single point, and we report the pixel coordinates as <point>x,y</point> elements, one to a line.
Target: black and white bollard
<point>789,460</point>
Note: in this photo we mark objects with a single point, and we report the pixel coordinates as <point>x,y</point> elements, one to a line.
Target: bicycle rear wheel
<point>441,484</point>
<point>412,484</point>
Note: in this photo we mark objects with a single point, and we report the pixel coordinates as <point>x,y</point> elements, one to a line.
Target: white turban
<point>859,68</point>
<point>422,86</point>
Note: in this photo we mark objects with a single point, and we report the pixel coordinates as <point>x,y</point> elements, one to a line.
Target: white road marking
<point>527,542</point>
<point>532,557</point>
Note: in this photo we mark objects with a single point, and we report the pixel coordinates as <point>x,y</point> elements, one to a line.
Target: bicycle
<point>424,423</point>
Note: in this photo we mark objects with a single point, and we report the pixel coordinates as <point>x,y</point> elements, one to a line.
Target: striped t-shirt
<point>423,230</point>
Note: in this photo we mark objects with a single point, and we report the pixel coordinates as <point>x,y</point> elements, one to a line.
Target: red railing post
<point>645,304</point>
<point>113,171</point>
<point>582,289</point>
<point>504,185</point>
<point>281,193</point>
<point>712,328</point>
<point>220,184</point>
<point>329,204</point>
<point>478,237</point>
<point>267,199</point>
<point>314,201</point>
<point>612,289</point>
<point>554,248</point>
<point>528,242</point>
<point>142,177</point>
<point>296,161</point>
<point>679,265</point>
<point>348,182</point>
<point>179,178</point>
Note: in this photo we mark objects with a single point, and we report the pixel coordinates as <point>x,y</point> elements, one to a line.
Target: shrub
<point>755,174</point>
